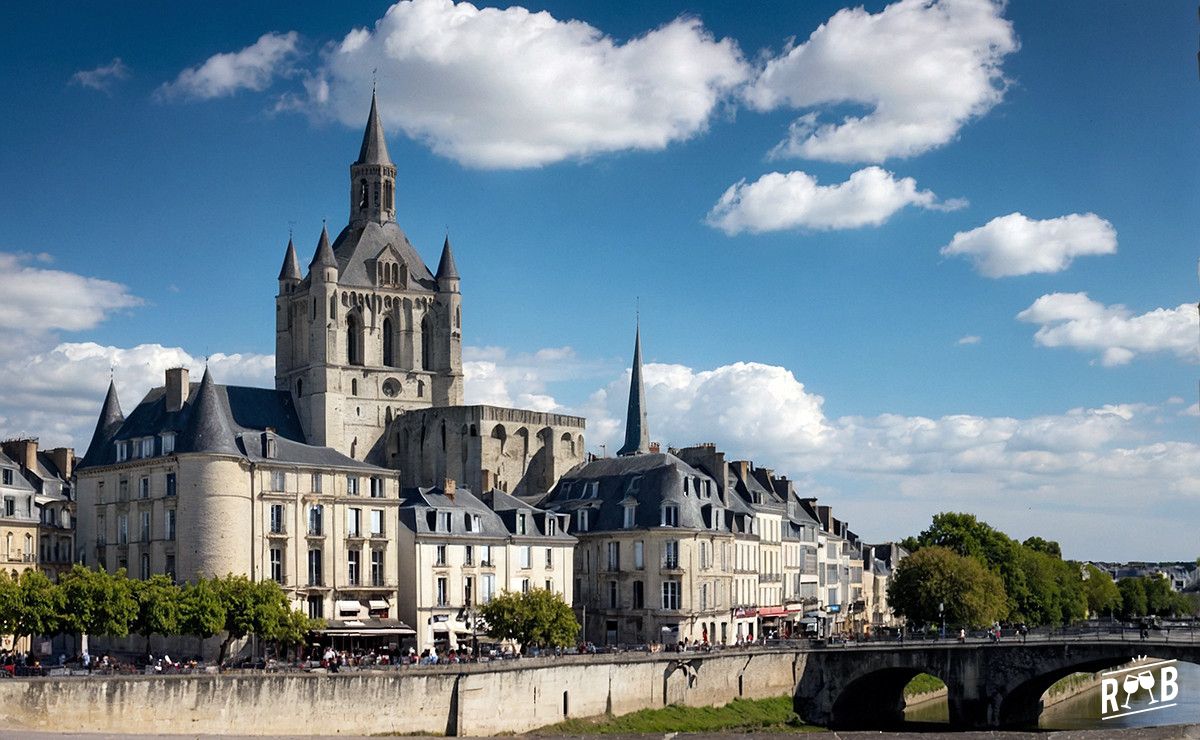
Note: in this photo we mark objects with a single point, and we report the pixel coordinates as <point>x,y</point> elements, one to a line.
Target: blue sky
<point>821,317</point>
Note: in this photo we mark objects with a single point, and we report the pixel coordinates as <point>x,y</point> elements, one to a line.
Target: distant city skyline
<point>916,256</point>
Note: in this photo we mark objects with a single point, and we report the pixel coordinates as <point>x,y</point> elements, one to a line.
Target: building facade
<point>459,550</point>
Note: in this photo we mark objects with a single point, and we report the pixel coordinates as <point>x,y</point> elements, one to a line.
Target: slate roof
<point>374,145</point>
<point>361,241</point>
<point>19,483</point>
<point>110,420</point>
<point>446,269</point>
<point>323,257</point>
<point>650,480</point>
<point>220,419</point>
<point>291,264</point>
<point>637,430</point>
<point>418,507</point>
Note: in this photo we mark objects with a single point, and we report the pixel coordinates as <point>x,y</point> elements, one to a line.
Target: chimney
<point>743,467</point>
<point>23,452</point>
<point>64,460</point>
<point>449,486</point>
<point>177,388</point>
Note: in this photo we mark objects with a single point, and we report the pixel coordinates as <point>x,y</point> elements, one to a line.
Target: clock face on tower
<point>391,387</point>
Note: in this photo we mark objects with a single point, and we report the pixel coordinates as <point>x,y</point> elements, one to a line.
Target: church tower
<point>369,332</point>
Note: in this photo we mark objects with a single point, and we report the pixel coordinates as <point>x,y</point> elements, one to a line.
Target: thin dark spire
<point>637,430</point>
<point>374,147</point>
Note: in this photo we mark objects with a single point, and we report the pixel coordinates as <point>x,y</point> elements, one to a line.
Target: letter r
<point>1108,693</point>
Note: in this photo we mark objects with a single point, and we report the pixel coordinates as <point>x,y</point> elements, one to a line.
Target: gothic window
<point>389,358</point>
<point>362,194</point>
<point>426,343</point>
<point>353,341</point>
<point>354,386</point>
<point>395,274</point>
<point>332,307</point>
<point>387,194</point>
<point>299,388</point>
<point>375,193</point>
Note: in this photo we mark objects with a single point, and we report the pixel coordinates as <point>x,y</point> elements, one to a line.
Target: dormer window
<point>122,451</point>
<point>551,526</point>
<point>521,524</point>
<point>443,521</point>
<point>593,489</point>
<point>630,515</point>
<point>670,515</point>
<point>581,520</point>
<point>168,443</point>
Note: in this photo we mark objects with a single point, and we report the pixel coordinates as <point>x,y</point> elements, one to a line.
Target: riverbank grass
<point>740,715</point>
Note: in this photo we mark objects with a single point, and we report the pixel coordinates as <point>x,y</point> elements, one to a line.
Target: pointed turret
<point>637,431</point>
<point>446,269</point>
<point>323,260</point>
<point>290,272</point>
<point>208,428</point>
<point>374,146</point>
<point>100,450</point>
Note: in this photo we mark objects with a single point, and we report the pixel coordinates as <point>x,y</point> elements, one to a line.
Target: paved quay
<point>1170,732</point>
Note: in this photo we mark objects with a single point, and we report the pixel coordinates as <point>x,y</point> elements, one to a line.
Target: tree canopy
<point>535,617</point>
<point>935,581</point>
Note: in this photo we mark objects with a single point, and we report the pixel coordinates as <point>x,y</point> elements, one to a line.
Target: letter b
<point>1169,681</point>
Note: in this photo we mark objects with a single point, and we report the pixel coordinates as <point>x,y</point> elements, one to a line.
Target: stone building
<point>203,480</point>
<point>369,332</point>
<point>18,519</point>
<point>656,555</point>
<point>50,472</point>
<point>459,550</point>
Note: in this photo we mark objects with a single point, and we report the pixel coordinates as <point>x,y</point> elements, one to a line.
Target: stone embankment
<point>451,700</point>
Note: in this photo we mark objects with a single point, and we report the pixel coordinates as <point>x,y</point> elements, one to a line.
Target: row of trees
<point>966,572</point>
<point>96,602</point>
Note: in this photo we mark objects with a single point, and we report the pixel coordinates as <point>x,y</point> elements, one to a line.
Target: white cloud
<point>1074,320</point>
<point>969,339</point>
<point>77,302</point>
<point>778,201</point>
<point>495,377</point>
<point>56,393</point>
<point>221,75</point>
<point>1193,410</point>
<point>1018,245</point>
<point>923,68</point>
<point>509,88</point>
<point>102,78</point>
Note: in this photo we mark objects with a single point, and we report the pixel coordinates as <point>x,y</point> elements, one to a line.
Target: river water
<point>1082,712</point>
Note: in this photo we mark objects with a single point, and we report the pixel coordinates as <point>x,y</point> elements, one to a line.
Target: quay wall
<point>509,697</point>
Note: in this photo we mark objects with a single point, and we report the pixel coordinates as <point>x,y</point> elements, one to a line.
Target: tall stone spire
<point>323,257</point>
<point>111,418</point>
<point>374,146</point>
<point>637,431</point>
<point>446,269</point>
<point>373,176</point>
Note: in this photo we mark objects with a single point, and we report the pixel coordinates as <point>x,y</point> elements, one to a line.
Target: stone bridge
<point>988,684</point>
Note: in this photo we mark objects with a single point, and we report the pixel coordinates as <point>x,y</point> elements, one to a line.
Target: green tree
<point>39,605</point>
<point>159,607</point>
<point>969,537</point>
<point>252,608</point>
<point>536,617</point>
<point>96,602</point>
<point>1049,547</point>
<point>935,575</point>
<point>1133,598</point>
<point>1101,592</point>
<point>202,612</point>
<point>10,604</point>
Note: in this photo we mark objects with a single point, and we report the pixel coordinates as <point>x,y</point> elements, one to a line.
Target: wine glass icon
<point>1146,681</point>
<point>1130,684</point>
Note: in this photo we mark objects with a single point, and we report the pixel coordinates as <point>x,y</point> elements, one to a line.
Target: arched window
<point>299,388</point>
<point>389,357</point>
<point>427,343</point>
<point>387,195</point>
<point>395,274</point>
<point>354,386</point>
<point>353,341</point>
<point>375,192</point>
<point>362,194</point>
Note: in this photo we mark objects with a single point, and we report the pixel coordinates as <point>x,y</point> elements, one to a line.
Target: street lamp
<point>942,614</point>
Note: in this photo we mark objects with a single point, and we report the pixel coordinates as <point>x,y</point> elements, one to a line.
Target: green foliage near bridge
<point>980,576</point>
<point>96,602</point>
<point>740,715</point>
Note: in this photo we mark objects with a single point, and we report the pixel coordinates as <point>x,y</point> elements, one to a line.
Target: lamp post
<point>942,614</point>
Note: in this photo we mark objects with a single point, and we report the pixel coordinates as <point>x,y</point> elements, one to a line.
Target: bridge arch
<point>875,699</point>
<point>1021,704</point>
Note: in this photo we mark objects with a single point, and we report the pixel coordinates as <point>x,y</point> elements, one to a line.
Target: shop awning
<point>344,607</point>
<point>377,604</point>
<point>366,628</point>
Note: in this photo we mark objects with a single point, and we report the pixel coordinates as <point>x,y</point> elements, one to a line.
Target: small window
<point>440,557</point>
<point>316,482</point>
<point>171,486</point>
<point>8,476</point>
<point>168,443</point>
<point>143,487</point>
<point>581,520</point>
<point>352,485</point>
<point>630,515</point>
<point>670,515</point>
